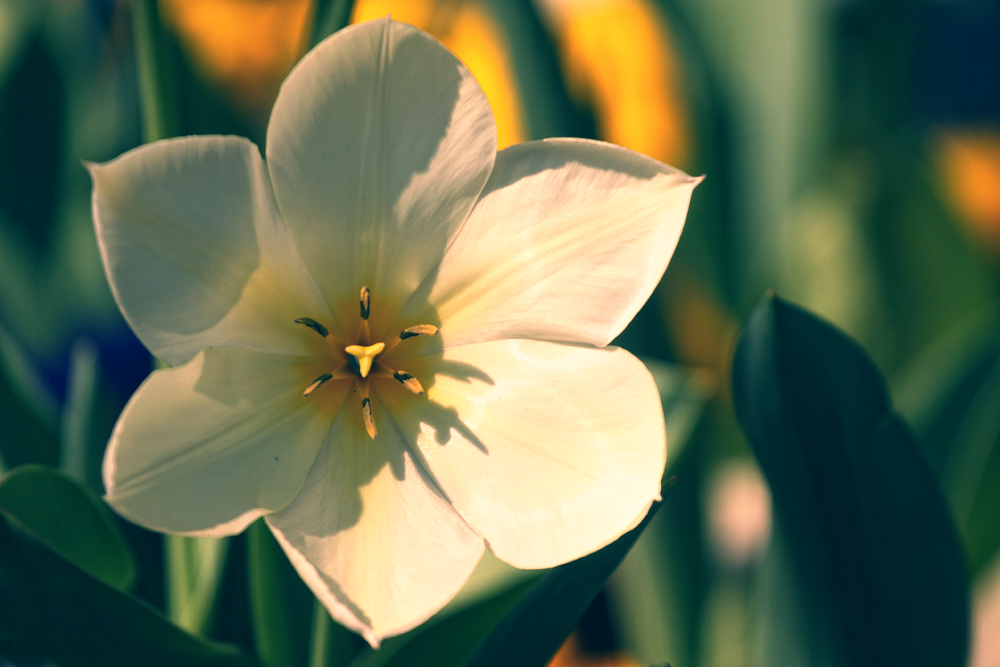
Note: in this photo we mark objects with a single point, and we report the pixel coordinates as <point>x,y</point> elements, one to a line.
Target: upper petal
<point>372,536</point>
<point>196,253</point>
<point>208,447</point>
<point>568,240</point>
<point>549,451</point>
<point>378,145</point>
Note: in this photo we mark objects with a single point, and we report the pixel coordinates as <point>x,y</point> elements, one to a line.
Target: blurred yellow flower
<point>970,166</point>
<point>246,47</point>
<point>618,58</point>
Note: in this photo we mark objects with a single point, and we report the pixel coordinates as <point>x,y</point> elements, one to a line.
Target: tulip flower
<point>388,339</point>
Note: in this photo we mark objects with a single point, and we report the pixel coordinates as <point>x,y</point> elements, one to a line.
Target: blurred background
<point>852,154</point>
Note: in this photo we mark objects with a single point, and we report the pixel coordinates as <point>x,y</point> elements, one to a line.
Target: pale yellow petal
<point>196,254</point>
<point>378,145</point>
<point>549,451</point>
<point>567,242</point>
<point>370,533</point>
<point>208,447</point>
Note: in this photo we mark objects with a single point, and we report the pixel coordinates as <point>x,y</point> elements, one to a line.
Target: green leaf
<point>70,520</point>
<point>537,626</point>
<point>52,609</point>
<point>870,536</point>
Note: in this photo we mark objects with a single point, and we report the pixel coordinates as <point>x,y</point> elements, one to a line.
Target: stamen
<point>408,381</point>
<point>418,330</point>
<point>365,303</point>
<point>366,412</point>
<point>316,383</point>
<point>365,355</point>
<point>314,325</point>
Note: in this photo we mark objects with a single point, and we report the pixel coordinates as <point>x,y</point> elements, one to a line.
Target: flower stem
<point>319,649</point>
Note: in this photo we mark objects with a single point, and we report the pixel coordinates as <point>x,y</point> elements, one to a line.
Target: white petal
<point>208,447</point>
<point>549,451</point>
<point>378,145</point>
<point>196,253</point>
<point>371,535</point>
<point>568,240</point>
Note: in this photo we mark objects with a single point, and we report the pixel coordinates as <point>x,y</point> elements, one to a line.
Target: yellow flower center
<point>359,362</point>
<point>364,355</point>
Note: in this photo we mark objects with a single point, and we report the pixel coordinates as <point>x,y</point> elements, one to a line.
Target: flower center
<point>360,364</point>
<point>363,356</point>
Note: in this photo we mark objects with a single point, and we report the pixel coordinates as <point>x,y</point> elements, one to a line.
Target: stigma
<point>364,355</point>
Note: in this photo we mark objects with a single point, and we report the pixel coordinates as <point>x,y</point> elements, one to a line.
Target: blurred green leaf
<point>329,16</point>
<point>194,567</point>
<point>950,393</point>
<point>28,413</point>
<point>870,536</point>
<point>157,94</point>
<point>70,520</point>
<point>537,626</point>
<point>78,413</point>
<point>280,604</point>
<point>50,608</point>
<point>548,109</point>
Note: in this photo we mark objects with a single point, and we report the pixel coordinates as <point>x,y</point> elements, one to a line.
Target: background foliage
<point>846,512</point>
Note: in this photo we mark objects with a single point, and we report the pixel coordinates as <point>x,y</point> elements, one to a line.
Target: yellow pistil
<point>365,354</point>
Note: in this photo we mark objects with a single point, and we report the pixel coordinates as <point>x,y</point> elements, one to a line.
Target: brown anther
<point>314,325</point>
<point>418,330</point>
<point>316,383</point>
<point>366,305</point>
<point>408,381</point>
<point>366,412</point>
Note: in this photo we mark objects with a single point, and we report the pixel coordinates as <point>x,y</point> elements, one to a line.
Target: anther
<point>316,383</point>
<point>364,355</point>
<point>366,412</point>
<point>418,330</point>
<point>365,303</point>
<point>314,325</point>
<point>408,381</point>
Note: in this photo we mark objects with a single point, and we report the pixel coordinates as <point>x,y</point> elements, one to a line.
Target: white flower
<point>383,197</point>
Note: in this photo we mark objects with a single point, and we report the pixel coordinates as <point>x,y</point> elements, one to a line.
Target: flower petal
<point>371,535</point>
<point>196,253</point>
<point>378,145</point>
<point>568,240</point>
<point>208,447</point>
<point>549,451</point>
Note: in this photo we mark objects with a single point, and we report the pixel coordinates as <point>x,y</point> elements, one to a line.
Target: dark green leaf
<point>537,626</point>
<point>69,519</point>
<point>869,533</point>
<point>27,412</point>
<point>50,608</point>
<point>449,641</point>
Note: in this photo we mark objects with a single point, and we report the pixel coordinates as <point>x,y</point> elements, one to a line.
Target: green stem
<point>156,91</point>
<point>319,649</point>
